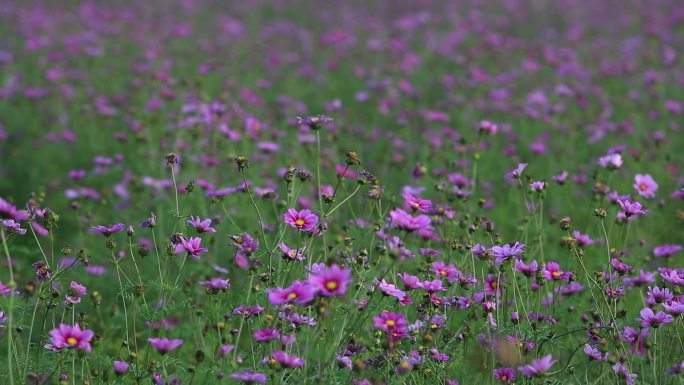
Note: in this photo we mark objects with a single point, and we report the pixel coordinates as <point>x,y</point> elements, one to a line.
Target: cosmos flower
<point>405,221</point>
<point>201,226</point>
<point>107,231</point>
<point>250,377</point>
<point>302,220</point>
<point>631,210</point>
<point>504,375</point>
<point>506,252</point>
<point>292,254</point>
<point>120,367</point>
<point>287,360</point>
<point>331,281</point>
<point>655,320</point>
<point>299,292</point>
<point>538,367</point>
<point>418,204</point>
<point>216,284</point>
<point>645,185</point>
<point>70,337</point>
<point>191,246</point>
<point>76,291</point>
<point>165,345</point>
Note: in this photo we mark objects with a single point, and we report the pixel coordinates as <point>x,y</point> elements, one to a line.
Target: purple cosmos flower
<point>388,321</point>
<point>631,210</point>
<point>487,127</point>
<point>292,254</point>
<point>560,178</point>
<point>418,204</point>
<point>245,243</point>
<point>611,161</point>
<point>70,337</point>
<point>225,350</point>
<point>264,335</point>
<point>675,308</point>
<point>552,272</point>
<point>303,220</point>
<point>165,345</point>
<point>538,367</point>
<point>249,377</point>
<point>331,281</point>
<point>299,292</point>
<point>624,373</point>
<point>248,311</point>
<point>517,172</point>
<point>677,369</point>
<point>593,353</point>
<point>582,239</point>
<point>657,295</point>
<point>201,226</point>
<point>43,271</point>
<point>506,252</point>
<point>405,221</point>
<point>391,290</point>
<point>410,281</point>
<point>121,367</point>
<point>666,251</point>
<point>674,276</point>
<point>538,186</point>
<point>107,231</point>
<point>76,291</point>
<point>504,375</point>
<point>655,320</point>
<point>287,360</point>
<point>12,227</point>
<point>442,270</point>
<point>215,284</point>
<point>645,185</point>
<point>191,246</point>
<point>529,269</point>
<point>434,286</point>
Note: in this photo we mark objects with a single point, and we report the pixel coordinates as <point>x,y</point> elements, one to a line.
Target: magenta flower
<point>165,345</point>
<point>538,367</point>
<point>287,360</point>
<point>303,220</point>
<point>410,281</point>
<point>191,246</point>
<point>434,286</point>
<point>527,269</point>
<point>70,337</point>
<point>504,375</point>
<point>264,335</point>
<point>593,353</point>
<point>675,308</point>
<point>582,239</point>
<point>506,252</point>
<point>299,292</point>
<point>405,221</point>
<point>215,284</point>
<point>76,291</point>
<point>655,320</point>
<point>487,127</point>
<point>418,204</point>
<point>292,254</point>
<point>331,281</point>
<point>645,185</point>
<point>249,377</point>
<point>121,367</point>
<point>611,161</point>
<point>517,172</point>
<point>12,227</point>
<point>107,231</point>
<point>391,290</point>
<point>666,251</point>
<point>538,186</point>
<point>201,226</point>
<point>442,270</point>
<point>631,210</point>
<point>388,321</point>
<point>552,272</point>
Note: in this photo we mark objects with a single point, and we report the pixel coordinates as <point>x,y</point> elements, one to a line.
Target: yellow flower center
<point>299,222</point>
<point>556,274</point>
<point>72,341</point>
<point>442,272</point>
<point>504,377</point>
<point>390,322</point>
<point>643,187</point>
<point>331,285</point>
<point>292,296</point>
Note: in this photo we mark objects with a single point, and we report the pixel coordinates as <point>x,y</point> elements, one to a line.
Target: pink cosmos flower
<point>538,367</point>
<point>201,226</point>
<point>645,185</point>
<point>303,220</point>
<point>70,337</point>
<point>76,291</point>
<point>405,221</point>
<point>299,292</point>
<point>165,345</point>
<point>191,246</point>
<point>418,204</point>
<point>331,281</point>
<point>287,360</point>
<point>391,290</point>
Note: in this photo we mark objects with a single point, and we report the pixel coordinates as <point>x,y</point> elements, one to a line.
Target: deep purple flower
<point>645,185</point>
<point>675,276</point>
<point>266,335</point>
<point>70,337</point>
<point>12,227</point>
<point>391,290</point>
<point>593,353</point>
<point>529,269</point>
<point>302,220</point>
<point>331,281</point>
<point>538,367</point>
<point>43,271</point>
<point>165,345</point>
<point>299,292</point>
<point>657,295</point>
<point>552,272</point>
<point>292,254</point>
<point>675,308</point>
<point>108,230</point>
<point>388,321</point>
<point>655,320</point>
<point>418,204</point>
<point>517,172</point>
<point>666,251</point>
<point>201,226</point>
<point>504,375</point>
